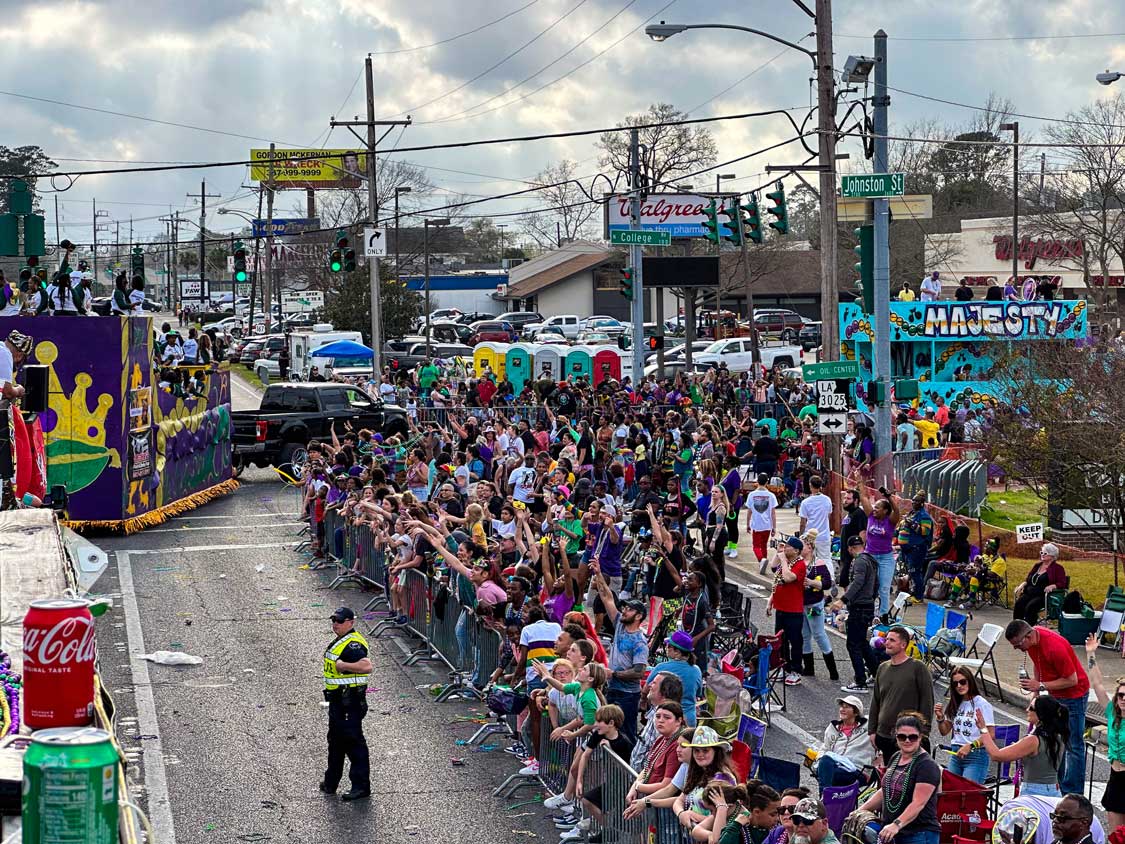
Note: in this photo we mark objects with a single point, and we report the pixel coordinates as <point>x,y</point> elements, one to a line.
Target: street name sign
<point>830,369</point>
<point>639,238</point>
<point>374,243</point>
<point>873,184</point>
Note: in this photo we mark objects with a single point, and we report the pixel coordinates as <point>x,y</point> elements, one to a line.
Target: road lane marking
<point>156,779</point>
<point>224,527</point>
<point>186,548</point>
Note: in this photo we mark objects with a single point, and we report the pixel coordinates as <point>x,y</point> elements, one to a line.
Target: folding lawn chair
<point>980,655</point>
<point>1005,771</point>
<point>839,802</point>
<point>759,684</point>
<point>752,731</point>
<point>778,773</point>
<point>724,711</point>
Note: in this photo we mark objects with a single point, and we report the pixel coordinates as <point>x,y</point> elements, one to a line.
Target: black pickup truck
<point>291,415</point>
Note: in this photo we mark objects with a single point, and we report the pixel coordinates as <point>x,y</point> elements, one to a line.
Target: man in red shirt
<point>1059,672</point>
<point>788,601</point>
<point>942,415</point>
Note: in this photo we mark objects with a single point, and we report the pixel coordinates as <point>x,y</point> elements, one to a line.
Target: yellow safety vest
<point>333,677</point>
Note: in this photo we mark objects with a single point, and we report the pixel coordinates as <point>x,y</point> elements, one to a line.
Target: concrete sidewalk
<point>1008,659</point>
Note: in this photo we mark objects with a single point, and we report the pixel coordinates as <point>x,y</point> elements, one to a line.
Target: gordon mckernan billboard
<point>315,169</point>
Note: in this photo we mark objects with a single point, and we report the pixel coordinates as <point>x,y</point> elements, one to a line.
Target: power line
<point>506,58</point>
<point>557,79</point>
<point>1068,120</point>
<point>454,37</point>
<point>577,133</point>
<point>959,38</point>
<point>508,90</point>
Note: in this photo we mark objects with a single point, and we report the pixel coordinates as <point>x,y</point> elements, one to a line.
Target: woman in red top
<point>661,761</point>
<point>788,601</point>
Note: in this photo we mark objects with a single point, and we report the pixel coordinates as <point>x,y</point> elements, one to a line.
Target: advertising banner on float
<point>949,321</point>
<point>312,169</point>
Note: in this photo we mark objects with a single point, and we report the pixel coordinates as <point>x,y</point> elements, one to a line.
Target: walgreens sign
<point>1032,249</point>
<point>679,214</point>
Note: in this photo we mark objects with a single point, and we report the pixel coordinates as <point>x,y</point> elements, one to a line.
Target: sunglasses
<point>1121,695</point>
<point>799,820</point>
<point>1055,816</point>
<point>907,736</point>
<point>960,682</point>
<point>785,810</point>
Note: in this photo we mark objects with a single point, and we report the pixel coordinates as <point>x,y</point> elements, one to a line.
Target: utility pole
<point>175,258</point>
<point>97,214</point>
<point>117,249</point>
<point>202,196</point>
<point>636,261</point>
<point>168,263</point>
<point>373,212</point>
<point>267,314</point>
<point>882,270</point>
<point>826,132</point>
<point>1014,128</point>
<point>256,278</point>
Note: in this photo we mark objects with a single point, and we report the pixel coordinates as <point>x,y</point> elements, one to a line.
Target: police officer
<point>347,668</point>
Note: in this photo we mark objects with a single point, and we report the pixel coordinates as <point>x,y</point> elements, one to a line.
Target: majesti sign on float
<point>954,320</point>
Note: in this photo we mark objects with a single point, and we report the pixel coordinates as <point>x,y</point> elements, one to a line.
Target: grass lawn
<point>1090,577</point>
<point>1014,507</point>
<point>246,374</point>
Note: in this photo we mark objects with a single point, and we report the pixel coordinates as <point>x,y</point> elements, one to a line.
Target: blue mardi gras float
<point>951,348</point>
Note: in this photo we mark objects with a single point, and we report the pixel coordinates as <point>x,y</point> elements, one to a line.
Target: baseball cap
<point>343,614</point>
<point>636,606</point>
<point>855,540</point>
<point>852,701</point>
<point>795,542</point>
<point>809,810</point>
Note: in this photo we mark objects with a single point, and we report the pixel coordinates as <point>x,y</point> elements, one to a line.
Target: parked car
<point>736,353</point>
<point>551,336</point>
<point>568,324</point>
<point>593,338</point>
<point>474,316</point>
<point>608,325</point>
<point>449,332</point>
<point>678,353</point>
<point>444,314</point>
<point>674,368</point>
<point>809,336</point>
<point>416,354</point>
<point>495,332</point>
<point>779,323</point>
<point>519,319</point>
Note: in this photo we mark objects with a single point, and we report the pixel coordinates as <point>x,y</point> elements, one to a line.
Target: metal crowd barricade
<point>554,757</point>
<point>441,631</point>
<point>606,780</point>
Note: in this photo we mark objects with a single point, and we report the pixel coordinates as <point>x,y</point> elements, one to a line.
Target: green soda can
<point>70,787</point>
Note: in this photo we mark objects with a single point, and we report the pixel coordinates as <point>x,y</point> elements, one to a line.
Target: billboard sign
<point>678,214</point>
<point>315,169</point>
<point>193,289</point>
<point>283,228</point>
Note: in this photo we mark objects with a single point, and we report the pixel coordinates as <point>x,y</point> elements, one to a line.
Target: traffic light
<point>240,273</point>
<point>711,228</point>
<point>654,342</point>
<point>336,256</point>
<point>627,282</point>
<point>865,266</point>
<point>349,255</point>
<point>137,262</point>
<point>34,240</point>
<point>778,209</point>
<point>733,213</point>
<point>9,235</point>
<point>624,342</point>
<point>752,222</point>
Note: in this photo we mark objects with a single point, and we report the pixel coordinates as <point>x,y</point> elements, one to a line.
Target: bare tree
<point>1087,197</point>
<point>669,151</point>
<point>568,214</point>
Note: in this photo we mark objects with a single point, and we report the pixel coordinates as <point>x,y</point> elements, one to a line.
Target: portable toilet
<point>481,359</point>
<point>607,364</point>
<point>579,364</point>
<point>548,358</point>
<point>517,361</point>
<point>495,355</point>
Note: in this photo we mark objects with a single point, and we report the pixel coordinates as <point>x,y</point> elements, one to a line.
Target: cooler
<point>960,798</point>
<point>1076,626</point>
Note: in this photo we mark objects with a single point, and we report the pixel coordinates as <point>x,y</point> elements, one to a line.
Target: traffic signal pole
<point>636,261</point>
<point>882,271</point>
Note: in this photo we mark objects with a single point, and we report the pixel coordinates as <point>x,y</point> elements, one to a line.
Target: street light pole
<point>399,190</point>
<point>1014,128</point>
<point>440,221</point>
<point>718,333</point>
<point>501,227</point>
<point>826,148</point>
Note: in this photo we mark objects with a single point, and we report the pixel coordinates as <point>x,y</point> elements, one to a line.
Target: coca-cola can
<point>59,651</point>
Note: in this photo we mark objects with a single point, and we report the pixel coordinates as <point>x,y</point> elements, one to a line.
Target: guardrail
<point>456,635</point>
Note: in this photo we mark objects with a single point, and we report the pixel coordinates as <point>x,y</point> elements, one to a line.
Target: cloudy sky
<point>278,70</point>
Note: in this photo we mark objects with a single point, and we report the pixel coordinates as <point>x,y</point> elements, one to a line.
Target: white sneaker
<point>853,689</point>
<point>531,769</point>
<point>732,553</point>
<point>559,801</point>
<point>574,834</point>
<point>765,561</point>
<point>792,679</point>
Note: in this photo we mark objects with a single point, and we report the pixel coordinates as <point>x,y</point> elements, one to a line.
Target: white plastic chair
<point>980,655</point>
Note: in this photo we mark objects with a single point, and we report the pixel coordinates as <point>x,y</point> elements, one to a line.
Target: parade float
<point>129,450</point>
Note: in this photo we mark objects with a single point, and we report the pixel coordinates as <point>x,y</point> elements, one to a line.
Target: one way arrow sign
<point>374,243</point>
<point>831,422</point>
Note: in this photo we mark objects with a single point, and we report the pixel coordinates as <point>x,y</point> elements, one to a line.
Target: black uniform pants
<point>862,655</point>
<point>346,710</point>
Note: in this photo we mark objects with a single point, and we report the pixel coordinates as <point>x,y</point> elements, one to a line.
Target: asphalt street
<point>232,749</point>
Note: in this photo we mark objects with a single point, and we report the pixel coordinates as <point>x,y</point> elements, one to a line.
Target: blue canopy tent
<point>343,349</point>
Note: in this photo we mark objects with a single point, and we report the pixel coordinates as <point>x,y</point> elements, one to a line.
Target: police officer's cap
<point>343,614</point>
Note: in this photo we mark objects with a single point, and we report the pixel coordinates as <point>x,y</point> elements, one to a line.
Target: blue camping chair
<point>761,683</point>
<point>778,773</point>
<point>752,732</point>
<point>1005,771</point>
